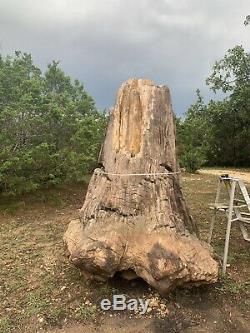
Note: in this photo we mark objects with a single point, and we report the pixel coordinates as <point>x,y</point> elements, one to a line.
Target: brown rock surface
<point>139,222</point>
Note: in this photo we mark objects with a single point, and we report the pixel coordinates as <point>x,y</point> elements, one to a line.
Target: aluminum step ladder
<point>236,210</point>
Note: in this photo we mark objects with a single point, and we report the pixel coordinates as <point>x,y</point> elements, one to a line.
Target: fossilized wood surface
<point>139,223</point>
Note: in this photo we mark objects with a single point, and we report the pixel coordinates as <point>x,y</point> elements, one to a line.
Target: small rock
<point>154,302</point>
<point>166,311</point>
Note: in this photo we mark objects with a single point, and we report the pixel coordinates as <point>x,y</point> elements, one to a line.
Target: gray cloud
<point>104,42</point>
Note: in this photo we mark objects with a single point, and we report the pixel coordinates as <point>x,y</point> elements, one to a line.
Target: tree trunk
<point>139,222</point>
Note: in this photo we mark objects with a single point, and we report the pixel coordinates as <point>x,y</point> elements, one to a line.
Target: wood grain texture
<point>139,223</point>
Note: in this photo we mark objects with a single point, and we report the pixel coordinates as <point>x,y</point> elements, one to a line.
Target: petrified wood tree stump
<point>139,222</point>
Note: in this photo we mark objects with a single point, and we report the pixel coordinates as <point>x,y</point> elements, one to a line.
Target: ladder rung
<point>239,200</point>
<point>224,206</point>
<point>234,220</point>
<point>243,213</point>
<point>245,220</point>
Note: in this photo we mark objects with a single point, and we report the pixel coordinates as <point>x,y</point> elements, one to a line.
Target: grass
<point>85,312</point>
<point>5,325</point>
<point>36,304</point>
<point>231,286</point>
<point>40,288</point>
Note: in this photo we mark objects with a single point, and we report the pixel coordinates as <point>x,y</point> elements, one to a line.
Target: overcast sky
<point>104,42</point>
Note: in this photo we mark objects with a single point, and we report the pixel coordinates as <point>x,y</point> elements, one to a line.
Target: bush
<point>192,159</point>
<point>50,129</point>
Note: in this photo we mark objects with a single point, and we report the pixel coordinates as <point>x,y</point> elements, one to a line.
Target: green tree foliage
<point>190,136</point>
<point>220,130</point>
<point>231,117</point>
<point>247,20</point>
<point>50,130</point>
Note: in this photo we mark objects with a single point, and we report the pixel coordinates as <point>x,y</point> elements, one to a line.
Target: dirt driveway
<point>244,174</point>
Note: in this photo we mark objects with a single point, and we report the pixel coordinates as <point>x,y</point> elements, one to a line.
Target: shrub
<point>192,159</point>
<point>50,129</point>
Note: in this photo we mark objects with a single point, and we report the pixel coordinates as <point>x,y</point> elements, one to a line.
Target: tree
<point>192,136</point>
<point>231,118</point>
<point>232,73</point>
<point>50,130</point>
<point>219,132</point>
<point>247,20</point>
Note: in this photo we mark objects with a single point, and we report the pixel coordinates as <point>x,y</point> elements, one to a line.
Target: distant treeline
<point>218,133</point>
<point>50,129</point>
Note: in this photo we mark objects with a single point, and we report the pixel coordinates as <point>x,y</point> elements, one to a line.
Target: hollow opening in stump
<point>128,274</point>
<point>123,283</point>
